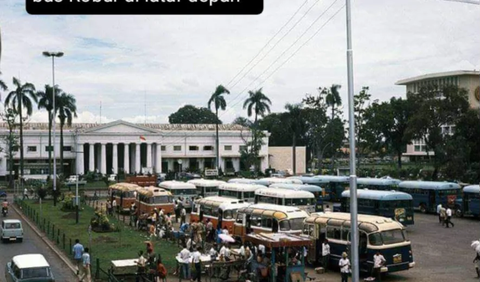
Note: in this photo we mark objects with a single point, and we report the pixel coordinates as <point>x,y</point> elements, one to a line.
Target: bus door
<point>220,218</point>
<point>363,251</point>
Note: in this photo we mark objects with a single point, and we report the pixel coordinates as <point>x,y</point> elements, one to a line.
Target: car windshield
<point>392,236</point>
<point>15,225</point>
<point>35,272</point>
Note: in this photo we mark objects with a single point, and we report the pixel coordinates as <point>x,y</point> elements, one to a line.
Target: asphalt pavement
<point>32,243</point>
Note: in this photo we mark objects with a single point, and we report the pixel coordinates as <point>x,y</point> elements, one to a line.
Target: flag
<point>143,138</point>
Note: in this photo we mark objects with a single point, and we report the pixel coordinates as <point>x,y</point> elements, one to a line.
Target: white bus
<point>206,187</point>
<point>245,192</point>
<point>271,180</point>
<point>243,180</point>
<point>302,199</point>
<point>186,191</point>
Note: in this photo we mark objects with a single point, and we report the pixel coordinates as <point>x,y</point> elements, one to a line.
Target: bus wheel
<point>458,213</point>
<point>423,209</point>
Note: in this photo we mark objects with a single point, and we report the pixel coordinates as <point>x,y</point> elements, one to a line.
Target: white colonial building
<point>133,148</point>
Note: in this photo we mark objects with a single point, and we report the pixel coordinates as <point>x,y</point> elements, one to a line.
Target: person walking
<point>344,264</point>
<point>25,193</point>
<point>476,261</point>
<point>185,258</point>
<point>177,211</point>
<point>378,262</point>
<point>197,264</point>
<point>77,251</point>
<point>449,218</point>
<point>439,208</point>
<point>183,215</point>
<point>114,206</point>
<point>443,215</point>
<point>86,270</point>
<point>325,254</point>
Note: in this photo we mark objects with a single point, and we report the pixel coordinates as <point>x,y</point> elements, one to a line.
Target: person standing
<point>476,261</point>
<point>86,271</point>
<point>439,208</point>
<point>77,251</point>
<point>344,264</point>
<point>109,207</point>
<point>183,215</point>
<point>161,272</point>
<point>114,206</point>
<point>443,215</point>
<point>449,218</point>
<point>197,264</point>
<point>378,262</point>
<point>325,254</point>
<point>177,211</point>
<point>25,193</point>
<point>141,264</point>
<point>185,258</point>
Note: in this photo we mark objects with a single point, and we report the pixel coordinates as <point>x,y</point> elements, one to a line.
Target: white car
<point>28,267</point>
<point>11,230</point>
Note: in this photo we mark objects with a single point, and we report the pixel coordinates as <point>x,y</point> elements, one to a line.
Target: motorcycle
<point>4,212</point>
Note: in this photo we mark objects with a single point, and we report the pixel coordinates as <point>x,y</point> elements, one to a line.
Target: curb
<point>42,236</point>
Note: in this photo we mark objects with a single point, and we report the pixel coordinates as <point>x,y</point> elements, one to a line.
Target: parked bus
<point>315,190</point>
<point>428,194</point>
<point>393,204</point>
<point>334,185</point>
<point>302,199</point>
<point>470,202</point>
<point>206,187</point>
<point>270,180</point>
<point>220,210</point>
<point>376,233</point>
<point>243,180</point>
<point>181,191</point>
<point>310,180</point>
<point>124,194</point>
<point>149,198</point>
<point>268,218</point>
<point>245,192</point>
<point>378,183</point>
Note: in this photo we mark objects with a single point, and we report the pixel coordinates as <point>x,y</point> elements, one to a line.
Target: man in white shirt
<point>140,267</point>
<point>325,254</point>
<point>225,251</point>
<point>185,258</point>
<point>196,262</point>
<point>114,205</point>
<point>344,264</point>
<point>183,216</point>
<point>449,218</point>
<point>439,208</point>
<point>378,262</point>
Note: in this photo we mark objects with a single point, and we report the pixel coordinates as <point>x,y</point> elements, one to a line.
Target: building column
<point>137,158</point>
<point>158,159</point>
<point>79,159</point>
<point>126,158</point>
<point>149,155</point>
<point>201,164</point>
<point>115,158</point>
<point>236,164</point>
<point>91,157</point>
<point>103,162</point>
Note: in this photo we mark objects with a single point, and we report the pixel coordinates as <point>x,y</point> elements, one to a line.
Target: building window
<point>163,148</point>
<point>243,148</point>
<point>227,147</point>
<point>208,148</point>
<point>177,148</point>
<point>15,148</point>
<point>31,148</point>
<point>49,148</point>
<point>67,148</point>
<point>193,148</point>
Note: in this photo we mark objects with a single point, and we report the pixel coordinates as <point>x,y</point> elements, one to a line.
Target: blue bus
<point>334,186</point>
<point>470,203</point>
<point>393,204</point>
<point>310,180</point>
<point>378,183</point>
<point>428,194</point>
<point>315,190</point>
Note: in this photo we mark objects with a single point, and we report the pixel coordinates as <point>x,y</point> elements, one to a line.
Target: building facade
<point>281,158</point>
<point>470,80</point>
<point>133,148</point>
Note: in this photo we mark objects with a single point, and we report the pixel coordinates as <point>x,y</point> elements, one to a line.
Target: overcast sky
<point>164,62</point>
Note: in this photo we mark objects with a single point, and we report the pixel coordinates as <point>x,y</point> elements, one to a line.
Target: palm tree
<point>333,100</point>
<point>21,97</point>
<point>46,102</point>
<point>259,104</point>
<point>294,117</point>
<point>218,100</point>
<point>67,110</point>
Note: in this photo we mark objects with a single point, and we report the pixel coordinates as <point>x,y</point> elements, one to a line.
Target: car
<point>3,193</point>
<point>11,230</point>
<point>28,268</point>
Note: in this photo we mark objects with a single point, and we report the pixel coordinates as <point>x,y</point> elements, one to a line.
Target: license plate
<point>13,239</point>
<point>397,259</point>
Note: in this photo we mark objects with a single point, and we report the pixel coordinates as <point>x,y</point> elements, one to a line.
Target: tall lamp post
<point>53,55</point>
<point>353,176</point>
<point>77,177</point>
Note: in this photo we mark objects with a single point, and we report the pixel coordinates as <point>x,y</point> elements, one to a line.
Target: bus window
<point>345,231</point>
<point>284,225</point>
<point>274,226</point>
<point>239,219</point>
<point>392,236</point>
<point>333,233</point>
<point>228,214</point>
<point>267,222</point>
<point>375,239</point>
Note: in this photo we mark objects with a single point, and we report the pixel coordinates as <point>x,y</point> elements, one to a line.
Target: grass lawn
<point>104,246</point>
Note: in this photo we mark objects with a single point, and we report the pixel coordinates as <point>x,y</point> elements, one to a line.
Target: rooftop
<point>30,261</point>
<point>436,75</point>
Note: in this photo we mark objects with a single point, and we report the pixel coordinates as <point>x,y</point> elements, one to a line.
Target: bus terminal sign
<point>211,172</point>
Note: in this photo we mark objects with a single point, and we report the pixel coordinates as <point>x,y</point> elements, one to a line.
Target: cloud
<point>163,62</point>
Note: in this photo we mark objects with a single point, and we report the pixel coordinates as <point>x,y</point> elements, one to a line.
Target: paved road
<point>33,244</point>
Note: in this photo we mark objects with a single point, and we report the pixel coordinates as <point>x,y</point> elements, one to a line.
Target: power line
<point>311,25</point>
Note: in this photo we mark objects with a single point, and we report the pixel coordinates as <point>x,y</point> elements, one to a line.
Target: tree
<point>360,103</point>
<point>294,113</point>
<point>219,102</point>
<point>192,115</point>
<point>22,97</point>
<point>435,109</point>
<point>274,123</point>
<point>66,109</point>
<point>10,140</point>
<point>46,102</point>
<point>245,122</point>
<point>259,104</point>
<point>334,101</point>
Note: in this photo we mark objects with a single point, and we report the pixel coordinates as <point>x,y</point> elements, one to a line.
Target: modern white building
<point>470,80</point>
<point>133,148</point>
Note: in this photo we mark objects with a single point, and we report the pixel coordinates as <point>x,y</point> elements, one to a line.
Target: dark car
<point>3,193</point>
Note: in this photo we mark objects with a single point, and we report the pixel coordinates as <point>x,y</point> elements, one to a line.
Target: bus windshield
<point>161,200</point>
<point>184,191</point>
<point>291,224</point>
<point>448,192</point>
<point>387,237</point>
<point>396,204</point>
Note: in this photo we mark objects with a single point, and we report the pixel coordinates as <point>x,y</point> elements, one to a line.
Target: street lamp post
<point>53,55</point>
<point>353,176</point>
<point>77,176</point>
